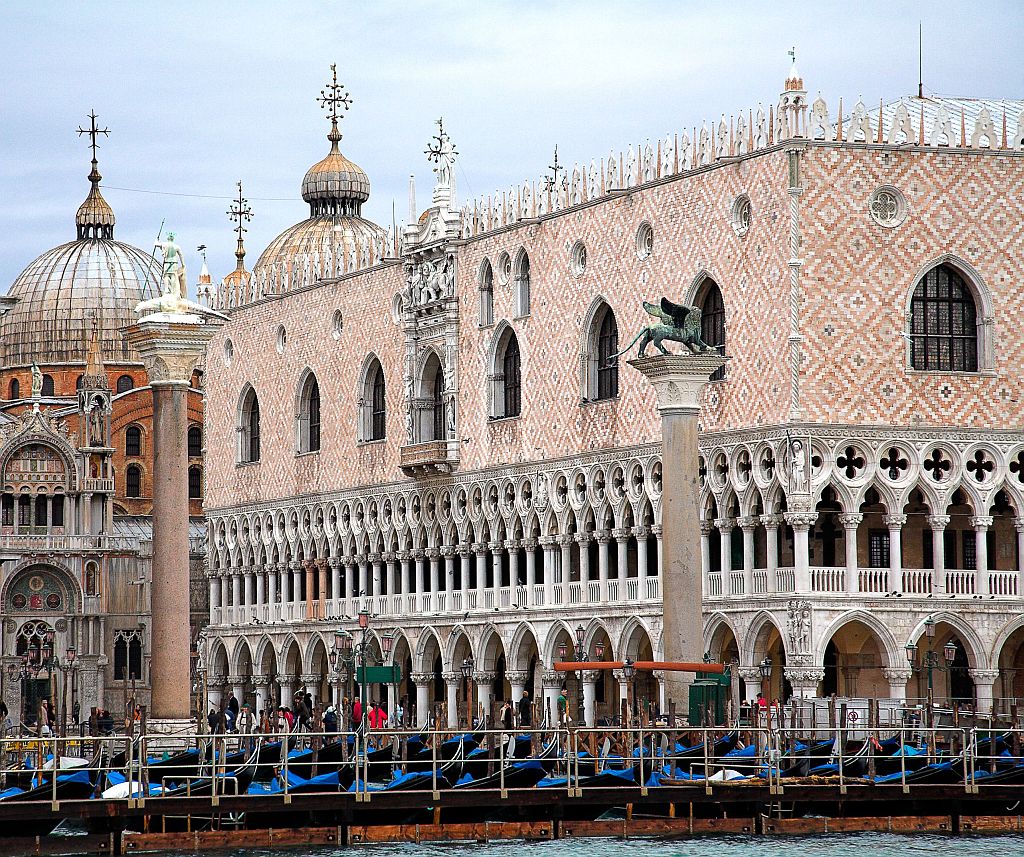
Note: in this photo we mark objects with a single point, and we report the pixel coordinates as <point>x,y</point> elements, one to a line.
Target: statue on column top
<point>174,285</point>
<point>37,381</point>
<point>674,322</point>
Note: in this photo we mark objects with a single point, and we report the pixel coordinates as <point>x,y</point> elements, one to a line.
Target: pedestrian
<point>233,705</point>
<point>213,719</point>
<point>229,719</point>
<point>374,715</point>
<point>330,719</point>
<point>302,711</point>
<point>399,714</point>
<point>505,716</point>
<point>525,718</point>
<point>562,706</point>
<point>357,713</point>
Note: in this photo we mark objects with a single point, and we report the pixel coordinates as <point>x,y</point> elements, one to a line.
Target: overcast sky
<point>201,94</point>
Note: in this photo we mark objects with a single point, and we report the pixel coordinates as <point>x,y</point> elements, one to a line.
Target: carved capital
<point>894,522</point>
<point>747,523</point>
<point>454,678</point>
<point>679,378</point>
<point>591,676</point>
<point>804,676</point>
<point>516,677</point>
<point>801,520</point>
<point>551,678</point>
<point>421,678</point>
<point>771,522</point>
<point>724,525</point>
<point>981,522</point>
<point>851,520</point>
<point>896,677</point>
<point>984,676</point>
<point>938,522</point>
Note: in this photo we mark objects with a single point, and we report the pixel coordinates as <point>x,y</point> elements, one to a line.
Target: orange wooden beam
<point>668,666</point>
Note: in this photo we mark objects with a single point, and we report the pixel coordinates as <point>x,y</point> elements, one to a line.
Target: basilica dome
<point>57,296</point>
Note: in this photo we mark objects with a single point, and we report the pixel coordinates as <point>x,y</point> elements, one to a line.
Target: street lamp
<point>579,654</point>
<point>766,674</point>
<point>931,661</point>
<point>629,672</point>
<point>467,674</point>
<point>347,652</point>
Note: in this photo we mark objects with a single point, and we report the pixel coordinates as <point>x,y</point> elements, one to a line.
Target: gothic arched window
<point>125,383</point>
<point>195,482</point>
<point>373,419</point>
<point>507,377</point>
<point>712,319</point>
<point>133,481</point>
<point>133,440</point>
<point>14,390</point>
<point>602,364</point>
<point>249,428</point>
<point>309,414</point>
<point>943,323</point>
<point>432,422</point>
<point>195,442</point>
<point>47,385</point>
<point>522,277</point>
<point>486,294</point>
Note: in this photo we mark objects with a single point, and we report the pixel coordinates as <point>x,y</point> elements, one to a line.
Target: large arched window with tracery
<point>943,323</point>
<point>509,401</point>
<point>712,319</point>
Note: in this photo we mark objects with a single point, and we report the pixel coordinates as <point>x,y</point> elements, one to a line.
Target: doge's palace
<point>433,426</point>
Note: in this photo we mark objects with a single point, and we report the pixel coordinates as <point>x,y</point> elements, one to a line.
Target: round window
<point>579,258</point>
<point>742,213</point>
<point>504,268</point>
<point>645,240</point>
<point>888,207</point>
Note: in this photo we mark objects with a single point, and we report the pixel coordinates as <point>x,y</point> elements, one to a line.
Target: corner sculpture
<point>676,323</point>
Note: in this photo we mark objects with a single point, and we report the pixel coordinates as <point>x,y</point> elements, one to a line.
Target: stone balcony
<point>639,592</point>
<point>864,582</point>
<point>425,459</point>
<point>46,543</point>
<point>98,486</point>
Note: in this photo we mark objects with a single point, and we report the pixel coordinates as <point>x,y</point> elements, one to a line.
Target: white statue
<point>37,381</point>
<point>174,283</point>
<point>174,280</point>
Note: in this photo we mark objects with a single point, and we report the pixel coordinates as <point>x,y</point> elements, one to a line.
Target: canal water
<point>836,845</point>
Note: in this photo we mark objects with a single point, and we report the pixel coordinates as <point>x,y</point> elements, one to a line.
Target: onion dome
<point>335,189</point>
<point>59,295</point>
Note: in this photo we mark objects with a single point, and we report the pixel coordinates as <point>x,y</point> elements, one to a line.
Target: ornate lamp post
<point>579,655</point>
<point>350,654</point>
<point>467,674</point>
<point>931,661</point>
<point>629,673</point>
<point>765,668</point>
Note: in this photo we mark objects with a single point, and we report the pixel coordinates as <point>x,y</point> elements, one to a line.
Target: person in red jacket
<point>357,713</point>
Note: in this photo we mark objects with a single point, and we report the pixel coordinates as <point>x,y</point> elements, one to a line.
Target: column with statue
<point>171,335</point>
<point>678,380</point>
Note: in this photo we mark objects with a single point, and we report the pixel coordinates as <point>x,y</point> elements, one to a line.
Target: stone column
<point>512,546</point>
<point>801,522</point>
<point>547,544</point>
<point>530,552</point>
<point>496,549</point>
<point>851,521</point>
<point>236,590</point>
<point>480,551</point>
<point>364,586</point>
<point>565,542</point>
<point>583,541</point>
<point>897,679</point>
<point>286,588</point>
<point>984,682</point>
<point>981,524</point>
<point>895,524</point>
<point>422,682</point>
<point>334,563</point>
<point>261,586</point>
<point>260,684</point>
<point>464,567</point>
<point>271,572</point>
<point>938,523</point>
<point>390,575</point>
<point>296,592</point>
<point>706,527</point>
<point>376,572</point>
<point>724,526</point>
<point>590,678</point>
<point>677,380</point>
<point>484,681</point>
<point>309,570</point>
<point>771,543</point>
<point>748,524</point>
<point>448,584</point>
<point>452,685</point>
<point>214,586</point>
<point>517,681</point>
<point>1019,524</point>
<point>551,682</point>
<point>225,592</point>
<point>170,345</point>
<point>641,534</point>
<point>404,560</point>
<point>621,535</point>
<point>656,532</point>
<point>603,538</point>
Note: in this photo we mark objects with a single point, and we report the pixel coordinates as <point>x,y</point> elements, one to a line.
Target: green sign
<point>379,675</point>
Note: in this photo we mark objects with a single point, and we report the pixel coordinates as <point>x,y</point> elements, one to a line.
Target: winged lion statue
<point>674,322</point>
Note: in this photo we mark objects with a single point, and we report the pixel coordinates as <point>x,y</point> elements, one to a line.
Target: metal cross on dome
<point>551,182</point>
<point>240,212</point>
<point>333,96</point>
<point>93,132</point>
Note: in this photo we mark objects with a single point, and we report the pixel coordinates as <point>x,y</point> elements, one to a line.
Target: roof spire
<point>94,357</point>
<point>332,97</point>
<point>241,213</point>
<point>95,218</point>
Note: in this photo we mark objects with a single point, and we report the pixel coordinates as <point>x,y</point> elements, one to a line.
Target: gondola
<point>235,781</point>
<point>518,775</point>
